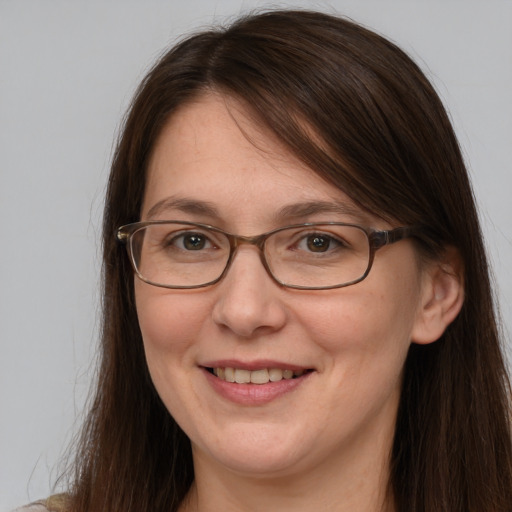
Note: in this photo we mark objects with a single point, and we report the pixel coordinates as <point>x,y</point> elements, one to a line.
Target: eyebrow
<point>185,205</point>
<point>310,208</point>
<point>294,212</point>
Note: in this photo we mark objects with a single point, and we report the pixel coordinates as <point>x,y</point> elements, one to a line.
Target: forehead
<point>221,132</point>
<point>211,151</point>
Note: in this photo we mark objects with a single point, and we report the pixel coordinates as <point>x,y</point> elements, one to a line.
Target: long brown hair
<point>381,135</point>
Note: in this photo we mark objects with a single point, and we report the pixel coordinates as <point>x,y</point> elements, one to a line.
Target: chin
<point>253,453</point>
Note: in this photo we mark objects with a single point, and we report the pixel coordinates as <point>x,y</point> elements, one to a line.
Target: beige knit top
<point>55,503</point>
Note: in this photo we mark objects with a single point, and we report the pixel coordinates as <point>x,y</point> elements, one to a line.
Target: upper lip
<point>259,364</point>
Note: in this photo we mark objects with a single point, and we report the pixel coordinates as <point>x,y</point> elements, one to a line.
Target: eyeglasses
<point>310,256</point>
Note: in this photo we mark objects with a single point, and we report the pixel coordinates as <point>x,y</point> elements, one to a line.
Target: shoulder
<point>56,503</point>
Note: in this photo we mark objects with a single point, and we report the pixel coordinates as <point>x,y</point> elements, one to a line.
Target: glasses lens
<point>318,256</point>
<point>179,255</point>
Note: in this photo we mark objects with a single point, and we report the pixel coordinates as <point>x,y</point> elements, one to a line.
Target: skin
<point>325,445</point>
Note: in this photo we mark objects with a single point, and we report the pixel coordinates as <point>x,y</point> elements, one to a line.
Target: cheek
<point>362,319</point>
<point>168,319</point>
<point>170,324</point>
<point>366,328</point>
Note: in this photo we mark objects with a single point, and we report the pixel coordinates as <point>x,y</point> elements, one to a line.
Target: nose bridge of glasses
<point>235,241</point>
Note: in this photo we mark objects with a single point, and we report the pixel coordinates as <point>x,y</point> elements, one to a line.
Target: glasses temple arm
<point>381,238</point>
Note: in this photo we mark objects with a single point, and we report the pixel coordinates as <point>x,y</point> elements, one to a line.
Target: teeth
<point>229,374</point>
<point>256,376</point>
<point>259,377</point>
<point>287,374</point>
<point>242,376</point>
<point>275,374</point>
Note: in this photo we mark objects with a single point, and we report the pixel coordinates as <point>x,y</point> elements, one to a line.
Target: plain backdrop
<point>67,72</point>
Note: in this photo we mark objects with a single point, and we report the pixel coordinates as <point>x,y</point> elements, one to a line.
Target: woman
<point>297,309</point>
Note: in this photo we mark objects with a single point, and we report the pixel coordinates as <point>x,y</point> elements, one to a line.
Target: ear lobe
<point>443,296</point>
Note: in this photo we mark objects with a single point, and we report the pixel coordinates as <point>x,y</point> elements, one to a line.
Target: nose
<point>249,301</point>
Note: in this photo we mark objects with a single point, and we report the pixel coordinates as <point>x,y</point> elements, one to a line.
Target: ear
<point>442,297</point>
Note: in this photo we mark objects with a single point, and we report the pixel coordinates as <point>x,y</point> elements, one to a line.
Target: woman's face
<point>351,342</point>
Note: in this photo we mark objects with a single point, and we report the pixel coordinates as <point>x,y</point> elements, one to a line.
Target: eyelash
<point>178,240</point>
<point>333,242</point>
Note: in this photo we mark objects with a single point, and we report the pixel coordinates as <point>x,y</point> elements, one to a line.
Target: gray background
<point>67,71</point>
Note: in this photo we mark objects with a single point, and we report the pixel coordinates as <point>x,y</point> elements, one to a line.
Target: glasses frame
<point>376,239</point>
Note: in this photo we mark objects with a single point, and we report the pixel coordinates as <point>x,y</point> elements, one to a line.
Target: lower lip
<point>254,394</point>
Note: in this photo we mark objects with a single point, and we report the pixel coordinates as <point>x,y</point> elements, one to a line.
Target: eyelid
<point>322,230</point>
<point>301,237</point>
<point>215,238</point>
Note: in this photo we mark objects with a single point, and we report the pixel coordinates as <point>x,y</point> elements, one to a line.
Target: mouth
<point>260,376</point>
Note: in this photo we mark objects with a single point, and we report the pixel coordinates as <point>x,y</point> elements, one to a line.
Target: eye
<point>318,242</point>
<point>191,241</point>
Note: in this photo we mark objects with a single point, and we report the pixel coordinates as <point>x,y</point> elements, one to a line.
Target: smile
<point>262,376</point>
